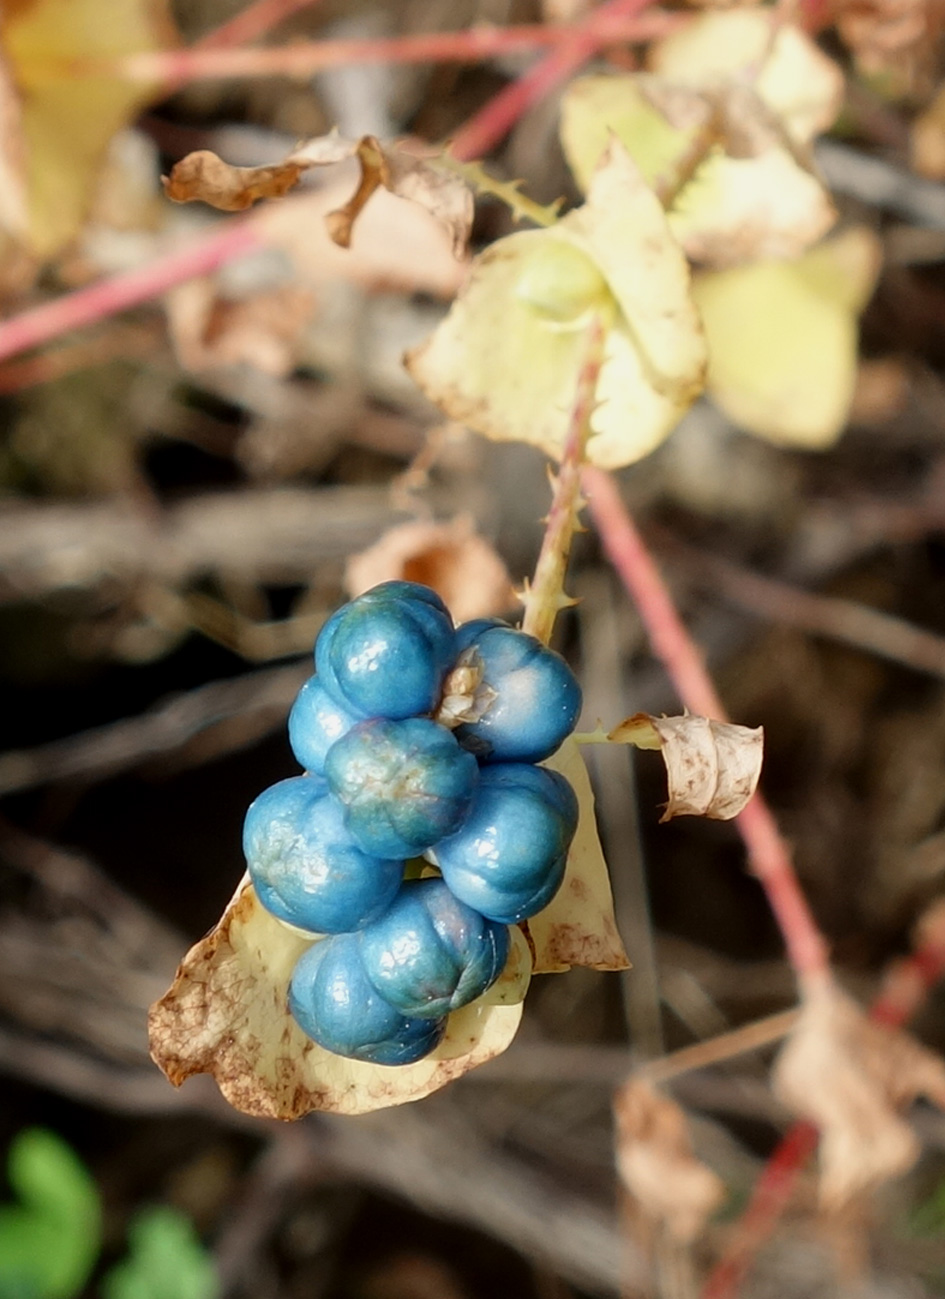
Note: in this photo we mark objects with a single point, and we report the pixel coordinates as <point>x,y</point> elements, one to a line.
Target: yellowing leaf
<point>737,186</point>
<point>203,177</point>
<point>578,926</point>
<point>67,122</point>
<point>749,46</point>
<point>782,339</point>
<point>506,359</point>
<point>712,768</point>
<point>226,1015</point>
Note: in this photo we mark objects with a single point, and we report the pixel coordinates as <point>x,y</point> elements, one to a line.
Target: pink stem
<point>251,23</point>
<point>486,128</point>
<point>768,854</point>
<point>302,58</point>
<point>224,243</point>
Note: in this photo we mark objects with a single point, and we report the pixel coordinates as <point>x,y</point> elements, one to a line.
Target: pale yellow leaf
<point>67,122</point>
<point>851,1077</point>
<point>738,187</point>
<point>226,1015</point>
<point>578,926</point>
<point>506,359</point>
<point>712,768</point>
<point>782,339</point>
<point>800,84</point>
<point>656,1163</point>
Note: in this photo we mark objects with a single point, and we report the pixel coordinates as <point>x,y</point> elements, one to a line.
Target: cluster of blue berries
<point>333,852</point>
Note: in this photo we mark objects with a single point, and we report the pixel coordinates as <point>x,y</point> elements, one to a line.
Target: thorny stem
<point>768,854</point>
<point>303,58</point>
<point>486,128</point>
<point>545,596</point>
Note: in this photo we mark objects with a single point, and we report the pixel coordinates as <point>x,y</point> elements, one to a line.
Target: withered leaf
<point>656,1163</point>
<point>206,178</point>
<point>226,1015</point>
<point>578,926</point>
<point>852,1077</point>
<point>712,768</point>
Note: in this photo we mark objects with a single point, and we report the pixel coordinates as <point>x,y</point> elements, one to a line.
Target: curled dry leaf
<point>463,569</point>
<point>852,1077</point>
<point>204,177</point>
<point>506,359</point>
<point>578,926</point>
<point>656,1163</point>
<point>226,1015</point>
<point>66,122</point>
<point>712,768</point>
<point>791,376</point>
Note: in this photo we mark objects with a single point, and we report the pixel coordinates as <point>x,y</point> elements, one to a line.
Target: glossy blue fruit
<point>508,860</point>
<point>333,1001</point>
<point>304,865</point>
<point>315,723</point>
<point>537,697</point>
<point>386,653</point>
<point>405,784</point>
<point>430,953</point>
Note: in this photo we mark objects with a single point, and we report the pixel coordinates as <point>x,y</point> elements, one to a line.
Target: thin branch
<point>748,1037</point>
<point>768,854</point>
<point>487,127</point>
<point>225,242</point>
<point>303,58</point>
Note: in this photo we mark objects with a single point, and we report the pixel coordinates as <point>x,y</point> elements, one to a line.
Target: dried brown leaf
<point>206,178</point>
<point>463,569</point>
<point>262,330</point>
<point>852,1077</point>
<point>226,1015</point>
<point>712,768</point>
<point>656,1163</point>
<point>578,925</point>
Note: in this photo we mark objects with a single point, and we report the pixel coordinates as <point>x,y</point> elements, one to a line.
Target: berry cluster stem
<point>545,596</point>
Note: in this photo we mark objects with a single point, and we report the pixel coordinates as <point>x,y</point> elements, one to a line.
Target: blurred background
<point>182,489</point>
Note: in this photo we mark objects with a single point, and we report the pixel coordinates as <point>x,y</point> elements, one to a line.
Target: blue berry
<point>332,1001</point>
<point>429,953</point>
<point>404,784</point>
<point>304,865</point>
<point>537,697</point>
<point>386,653</point>
<point>508,860</point>
<point>315,723</point>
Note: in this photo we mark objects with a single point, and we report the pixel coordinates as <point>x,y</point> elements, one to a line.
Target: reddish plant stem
<point>303,58</point>
<point>486,128</point>
<point>770,1197</point>
<point>768,854</point>
<point>250,23</point>
<point>224,243</point>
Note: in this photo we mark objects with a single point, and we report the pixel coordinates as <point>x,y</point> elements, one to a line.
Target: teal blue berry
<point>404,784</point>
<point>304,865</point>
<point>430,953</point>
<point>386,654</point>
<point>315,723</point>
<point>333,1002</point>
<point>508,860</point>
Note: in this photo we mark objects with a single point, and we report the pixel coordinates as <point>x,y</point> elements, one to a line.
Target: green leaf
<point>165,1261</point>
<point>50,1240</point>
